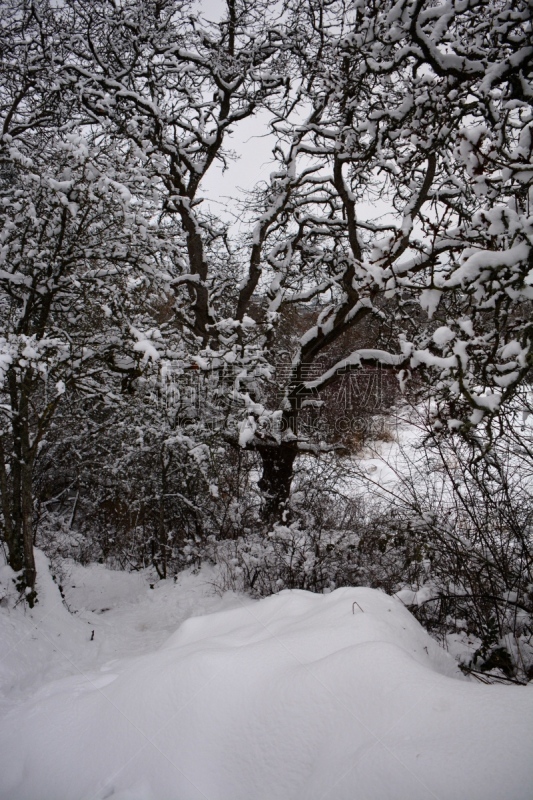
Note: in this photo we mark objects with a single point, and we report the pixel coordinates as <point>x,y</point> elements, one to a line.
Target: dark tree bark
<point>15,551</point>
<point>276,479</point>
<point>16,489</point>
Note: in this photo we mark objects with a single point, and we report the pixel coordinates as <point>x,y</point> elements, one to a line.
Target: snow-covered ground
<point>181,694</point>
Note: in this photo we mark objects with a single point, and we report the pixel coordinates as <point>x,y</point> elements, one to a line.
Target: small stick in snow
<point>355,603</point>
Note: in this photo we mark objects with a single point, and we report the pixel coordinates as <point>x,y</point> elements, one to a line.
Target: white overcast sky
<point>255,162</point>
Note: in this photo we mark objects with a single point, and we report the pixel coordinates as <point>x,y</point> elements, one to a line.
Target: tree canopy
<point>394,231</point>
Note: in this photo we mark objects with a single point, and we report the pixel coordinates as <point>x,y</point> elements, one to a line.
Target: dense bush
<point>453,540</point>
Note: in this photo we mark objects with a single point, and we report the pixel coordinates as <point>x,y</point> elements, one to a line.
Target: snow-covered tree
<point>395,225</point>
<point>71,266</point>
<point>402,135</point>
<point>76,252</point>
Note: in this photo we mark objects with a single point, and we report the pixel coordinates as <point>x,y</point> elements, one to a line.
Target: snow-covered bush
<point>289,557</point>
<point>127,484</point>
<point>465,506</point>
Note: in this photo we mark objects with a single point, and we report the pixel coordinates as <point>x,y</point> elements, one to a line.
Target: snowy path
<point>113,615</point>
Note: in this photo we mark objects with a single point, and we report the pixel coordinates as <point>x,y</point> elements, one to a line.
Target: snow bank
<point>31,641</point>
<point>294,697</point>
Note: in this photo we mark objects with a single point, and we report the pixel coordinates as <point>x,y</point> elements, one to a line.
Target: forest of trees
<point>173,378</point>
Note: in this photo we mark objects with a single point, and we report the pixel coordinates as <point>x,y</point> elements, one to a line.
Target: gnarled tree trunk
<point>275,481</point>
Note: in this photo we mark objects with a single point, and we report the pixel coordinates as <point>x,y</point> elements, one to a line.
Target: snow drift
<point>294,697</point>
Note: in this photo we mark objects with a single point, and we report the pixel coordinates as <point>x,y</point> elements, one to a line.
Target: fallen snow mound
<point>294,697</point>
